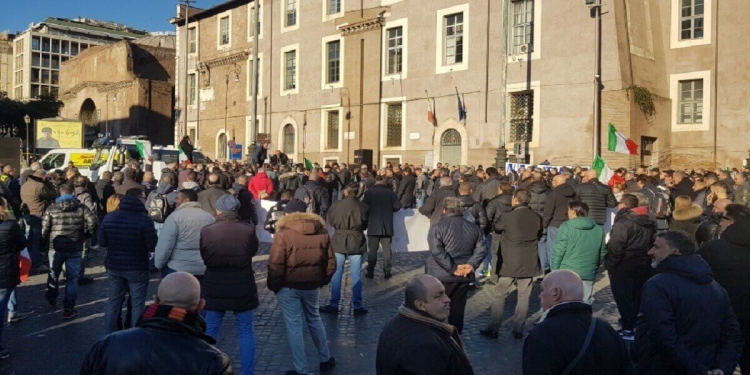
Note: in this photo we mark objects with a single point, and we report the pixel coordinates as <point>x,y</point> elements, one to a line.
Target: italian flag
<point>619,143</point>
<point>143,152</point>
<point>308,164</point>
<point>603,172</point>
<point>183,158</point>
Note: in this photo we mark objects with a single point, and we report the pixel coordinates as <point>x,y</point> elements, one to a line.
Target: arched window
<point>289,140</point>
<point>221,147</point>
<point>450,147</point>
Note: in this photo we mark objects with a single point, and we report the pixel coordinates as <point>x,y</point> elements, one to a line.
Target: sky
<point>149,15</point>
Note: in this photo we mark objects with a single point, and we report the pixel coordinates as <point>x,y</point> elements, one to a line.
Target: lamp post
<point>27,120</point>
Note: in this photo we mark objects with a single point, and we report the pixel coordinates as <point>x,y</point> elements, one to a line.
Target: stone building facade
<point>6,62</point>
<point>336,76</point>
<point>126,88</point>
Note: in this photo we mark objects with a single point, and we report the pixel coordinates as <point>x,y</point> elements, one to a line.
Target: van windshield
<point>172,156</point>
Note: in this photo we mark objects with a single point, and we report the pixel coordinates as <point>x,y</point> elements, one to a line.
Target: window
<point>192,39</point>
<point>34,75</point>
<point>691,102</point>
<point>291,13</point>
<point>45,44</point>
<point>290,70</point>
<point>55,77</point>
<point>395,50</point>
<point>35,43</point>
<point>288,147</point>
<point>454,36</point>
<point>523,26</point>
<point>36,59</point>
<point>521,116</point>
<point>56,46</point>
<point>45,76</point>
<point>65,47</point>
<point>691,19</point>
<point>73,48</point>
<point>394,125</point>
<point>224,31</point>
<point>332,133</point>
<point>250,72</point>
<point>221,146</point>
<point>334,6</point>
<point>251,18</point>
<point>192,88</point>
<point>334,61</point>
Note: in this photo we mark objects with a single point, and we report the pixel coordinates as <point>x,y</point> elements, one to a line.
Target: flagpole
<point>597,14</point>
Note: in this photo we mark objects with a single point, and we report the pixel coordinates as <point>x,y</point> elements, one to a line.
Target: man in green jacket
<point>580,246</point>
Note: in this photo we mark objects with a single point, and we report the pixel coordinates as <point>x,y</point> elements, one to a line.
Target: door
<point>450,147</point>
<point>289,140</point>
<point>647,150</point>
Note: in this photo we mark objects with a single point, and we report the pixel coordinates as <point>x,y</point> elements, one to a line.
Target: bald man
<point>711,228</point>
<point>597,195</point>
<point>554,215</point>
<point>170,338</point>
<point>553,346</point>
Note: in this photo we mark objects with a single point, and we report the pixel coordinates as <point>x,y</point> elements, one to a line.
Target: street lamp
<point>27,120</point>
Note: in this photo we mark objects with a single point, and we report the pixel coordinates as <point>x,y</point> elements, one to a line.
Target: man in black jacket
<point>456,249</point>
<point>496,208</point>
<point>382,202</point>
<point>729,258</point>
<point>539,191</point>
<point>433,207</point>
<point>555,213</point>
<point>315,193</point>
<point>556,341</point>
<point>247,205</point>
<point>686,324</point>
<point>596,195</point>
<point>473,208</point>
<point>170,338</point>
<point>406,188</point>
<point>207,198</point>
<point>418,341</point>
<point>682,186</point>
<point>348,217</point>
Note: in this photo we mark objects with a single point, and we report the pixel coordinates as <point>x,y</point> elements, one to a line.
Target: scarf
<point>449,330</point>
<point>641,210</point>
<point>65,197</point>
<point>190,319</point>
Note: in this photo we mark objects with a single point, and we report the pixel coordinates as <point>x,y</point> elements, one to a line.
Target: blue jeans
<point>551,237</point>
<point>544,261</point>
<point>12,303</point>
<point>295,305</point>
<point>5,294</point>
<point>136,283</point>
<point>72,263</point>
<point>485,266</point>
<point>34,239</point>
<point>244,320</point>
<point>355,270</point>
<point>420,200</point>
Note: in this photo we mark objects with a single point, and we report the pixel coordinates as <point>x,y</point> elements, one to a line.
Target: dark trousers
<point>626,289</point>
<point>457,292</point>
<point>373,243</point>
<point>745,360</point>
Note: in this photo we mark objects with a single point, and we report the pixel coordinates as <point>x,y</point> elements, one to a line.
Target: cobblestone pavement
<point>44,344</point>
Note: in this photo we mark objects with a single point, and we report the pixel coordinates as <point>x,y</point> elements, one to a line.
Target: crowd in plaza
<point>675,251</point>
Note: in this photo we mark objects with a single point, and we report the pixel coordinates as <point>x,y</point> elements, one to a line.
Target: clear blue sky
<point>150,15</point>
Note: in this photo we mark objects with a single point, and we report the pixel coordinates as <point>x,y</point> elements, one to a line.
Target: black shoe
<point>85,280</point>
<point>328,309</point>
<point>327,365</point>
<point>387,275</point>
<point>517,335</point>
<point>69,314</point>
<point>360,311</point>
<point>488,333</point>
<point>51,302</point>
<point>369,274</point>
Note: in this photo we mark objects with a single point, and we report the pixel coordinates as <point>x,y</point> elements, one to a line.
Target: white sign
<point>348,135</point>
<point>414,135</point>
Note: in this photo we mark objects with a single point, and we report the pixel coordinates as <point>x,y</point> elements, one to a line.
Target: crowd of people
<point>675,254</point>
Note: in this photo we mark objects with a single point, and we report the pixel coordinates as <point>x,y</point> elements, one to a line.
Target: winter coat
<point>728,258</point>
<point>685,187</point>
<point>260,182</point>
<point>556,341</point>
<point>149,186</point>
<point>420,347</point>
<point>104,189</point>
<point>420,186</point>
<point>67,224</point>
<point>227,248</point>
<point>649,190</point>
<point>381,203</point>
<point>539,192</point>
<point>579,247</point>
<point>12,242</point>
<point>363,186</point>
<point>37,194</point>
<point>168,191</point>
<point>454,241</point>
<point>301,255</point>
<point>687,220</point>
<point>247,209</point>
<point>521,229</point>
<point>207,198</point>
<point>279,160</point>
<point>127,185</point>
<point>631,238</point>
<point>686,324</point>
<point>476,210</point>
<point>348,217</point>
<point>260,154</point>
<point>179,240</point>
<point>84,197</point>
<point>742,194</point>
<point>598,197</point>
<point>289,181</point>
<point>273,215</point>
<point>187,148</point>
<point>319,193</point>
<point>159,346</point>
<point>487,190</point>
<point>730,186</point>
<point>496,208</point>
<point>555,211</point>
<point>405,190</point>
<point>129,236</point>
<point>433,206</point>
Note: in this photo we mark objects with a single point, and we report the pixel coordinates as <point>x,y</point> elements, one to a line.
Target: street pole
<point>254,82</point>
<point>27,120</point>
<point>501,157</point>
<point>182,129</point>
<point>596,10</point>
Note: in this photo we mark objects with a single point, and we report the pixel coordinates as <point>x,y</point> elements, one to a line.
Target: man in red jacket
<point>260,183</point>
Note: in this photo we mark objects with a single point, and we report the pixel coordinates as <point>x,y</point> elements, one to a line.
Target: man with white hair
<point>569,339</point>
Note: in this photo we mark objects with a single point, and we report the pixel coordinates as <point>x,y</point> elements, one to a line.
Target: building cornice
<point>225,60</point>
<point>362,26</point>
<point>101,87</point>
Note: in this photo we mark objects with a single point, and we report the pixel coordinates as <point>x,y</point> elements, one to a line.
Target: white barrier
<point>409,228</point>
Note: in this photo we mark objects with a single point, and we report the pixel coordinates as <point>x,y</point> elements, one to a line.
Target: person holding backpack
<point>161,202</point>
<point>314,194</point>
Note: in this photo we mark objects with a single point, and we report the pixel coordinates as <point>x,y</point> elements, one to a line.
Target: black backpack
<point>158,208</point>
<point>309,199</point>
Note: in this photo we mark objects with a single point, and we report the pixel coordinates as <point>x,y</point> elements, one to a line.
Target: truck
<point>58,159</point>
<point>112,155</point>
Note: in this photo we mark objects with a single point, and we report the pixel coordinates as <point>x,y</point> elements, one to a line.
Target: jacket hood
<point>288,175</point>
<point>191,185</point>
<point>164,188</point>
<point>466,200</point>
<point>582,223</point>
<point>641,220</point>
<point>565,190</point>
<point>538,187</point>
<point>188,205</point>
<point>301,222</point>
<point>132,204</point>
<point>691,213</point>
<point>738,234</point>
<point>691,267</point>
<point>68,204</point>
<point>35,178</point>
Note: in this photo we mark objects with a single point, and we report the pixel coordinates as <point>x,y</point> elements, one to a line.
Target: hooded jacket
<point>168,191</point>
<point>630,240</point>
<point>260,182</point>
<point>579,247</point>
<point>179,240</point>
<point>289,181</point>
<point>319,193</point>
<point>539,192</point>
<point>129,235</point>
<point>555,211</point>
<point>496,208</point>
<point>728,258</point>
<point>686,324</point>
<point>66,224</point>
<point>687,220</point>
<point>301,255</point>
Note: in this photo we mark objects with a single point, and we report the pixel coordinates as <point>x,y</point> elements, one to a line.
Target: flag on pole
<point>308,164</point>
<point>431,113</point>
<point>183,158</point>
<point>603,172</point>
<point>143,152</point>
<point>461,108</point>
<point>619,143</point>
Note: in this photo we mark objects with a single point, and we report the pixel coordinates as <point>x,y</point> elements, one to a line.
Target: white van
<point>60,157</point>
<point>165,155</point>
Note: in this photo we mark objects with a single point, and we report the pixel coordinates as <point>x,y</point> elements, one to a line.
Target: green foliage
<point>12,111</point>
<point>643,97</point>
